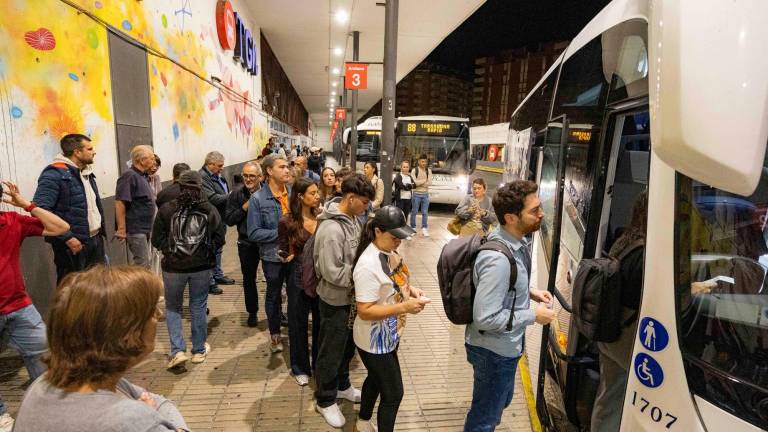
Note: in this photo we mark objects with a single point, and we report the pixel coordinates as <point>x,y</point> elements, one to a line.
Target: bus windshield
<point>368,146</point>
<point>447,154</point>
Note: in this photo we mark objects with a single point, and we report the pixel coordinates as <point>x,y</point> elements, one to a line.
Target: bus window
<point>548,184</point>
<point>368,146</point>
<point>722,296</point>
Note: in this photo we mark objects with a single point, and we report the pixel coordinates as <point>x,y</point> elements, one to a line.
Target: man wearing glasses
<point>237,214</point>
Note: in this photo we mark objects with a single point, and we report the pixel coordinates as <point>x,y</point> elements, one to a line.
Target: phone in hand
<point>282,254</point>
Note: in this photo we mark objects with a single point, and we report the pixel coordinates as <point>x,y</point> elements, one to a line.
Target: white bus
<point>668,98</point>
<point>368,141</point>
<point>487,147</point>
<point>445,141</point>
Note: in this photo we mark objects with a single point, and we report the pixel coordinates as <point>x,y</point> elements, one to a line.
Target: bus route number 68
<point>656,413</point>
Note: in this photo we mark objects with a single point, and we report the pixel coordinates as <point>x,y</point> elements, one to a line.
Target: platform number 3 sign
<point>355,76</point>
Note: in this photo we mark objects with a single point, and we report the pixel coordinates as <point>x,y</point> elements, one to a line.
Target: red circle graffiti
<point>225,24</point>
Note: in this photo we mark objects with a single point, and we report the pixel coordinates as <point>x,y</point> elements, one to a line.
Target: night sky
<point>502,24</point>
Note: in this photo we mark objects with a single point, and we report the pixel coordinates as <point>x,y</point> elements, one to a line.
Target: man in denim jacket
<point>265,208</point>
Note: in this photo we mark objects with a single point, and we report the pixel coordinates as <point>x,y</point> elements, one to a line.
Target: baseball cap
<point>190,178</point>
<point>392,220</point>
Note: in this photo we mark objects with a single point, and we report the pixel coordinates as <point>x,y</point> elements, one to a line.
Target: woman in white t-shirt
<point>383,297</point>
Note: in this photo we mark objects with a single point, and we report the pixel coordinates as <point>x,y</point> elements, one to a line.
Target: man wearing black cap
<point>188,230</point>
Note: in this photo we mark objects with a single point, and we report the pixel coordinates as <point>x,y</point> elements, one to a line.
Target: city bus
<point>487,147</point>
<point>445,141</point>
<point>368,141</point>
<point>636,106</point>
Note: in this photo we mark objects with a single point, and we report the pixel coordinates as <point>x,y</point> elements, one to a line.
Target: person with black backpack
<point>189,231</point>
<point>494,339</point>
<point>615,355</point>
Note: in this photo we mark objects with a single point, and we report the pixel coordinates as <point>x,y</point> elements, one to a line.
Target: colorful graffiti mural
<point>55,79</point>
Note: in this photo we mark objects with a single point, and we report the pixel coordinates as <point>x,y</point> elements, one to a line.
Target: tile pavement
<point>241,387</point>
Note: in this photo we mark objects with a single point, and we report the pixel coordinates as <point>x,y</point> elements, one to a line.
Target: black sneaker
<point>253,321</point>
<point>225,281</point>
<point>283,320</point>
<point>214,289</point>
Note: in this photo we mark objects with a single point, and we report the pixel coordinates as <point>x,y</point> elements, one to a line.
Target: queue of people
<point>359,294</point>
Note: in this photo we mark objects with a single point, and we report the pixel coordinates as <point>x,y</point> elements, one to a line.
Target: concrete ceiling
<point>312,39</point>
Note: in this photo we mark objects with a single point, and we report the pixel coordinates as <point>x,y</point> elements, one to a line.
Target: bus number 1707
<point>656,413</point>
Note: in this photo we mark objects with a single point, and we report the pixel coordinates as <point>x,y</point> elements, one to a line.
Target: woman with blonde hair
<point>102,323</point>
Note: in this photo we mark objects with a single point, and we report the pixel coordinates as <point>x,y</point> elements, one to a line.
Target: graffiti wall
<point>55,79</point>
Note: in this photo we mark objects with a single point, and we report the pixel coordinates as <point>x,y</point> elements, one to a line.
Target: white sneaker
<point>425,232</point>
<point>332,415</point>
<point>365,426</point>
<point>301,379</point>
<point>178,359</point>
<point>6,423</point>
<point>351,394</point>
<point>200,357</point>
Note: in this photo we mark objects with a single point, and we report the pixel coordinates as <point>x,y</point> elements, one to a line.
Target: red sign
<point>493,152</point>
<point>355,76</point>
<point>341,113</point>
<point>226,25</point>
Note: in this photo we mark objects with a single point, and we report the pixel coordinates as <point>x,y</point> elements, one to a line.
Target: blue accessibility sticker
<point>648,370</point>
<point>653,335</point>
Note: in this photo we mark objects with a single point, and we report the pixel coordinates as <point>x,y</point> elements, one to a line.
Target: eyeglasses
<point>251,176</point>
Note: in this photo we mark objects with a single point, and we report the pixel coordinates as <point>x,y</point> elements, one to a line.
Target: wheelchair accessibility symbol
<point>648,370</point>
<point>653,335</point>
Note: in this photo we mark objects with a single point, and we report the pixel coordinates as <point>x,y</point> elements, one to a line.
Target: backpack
<point>309,278</point>
<point>597,303</point>
<point>189,232</point>
<point>454,275</point>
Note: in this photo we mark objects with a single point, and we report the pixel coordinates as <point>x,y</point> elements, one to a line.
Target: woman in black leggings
<point>383,298</point>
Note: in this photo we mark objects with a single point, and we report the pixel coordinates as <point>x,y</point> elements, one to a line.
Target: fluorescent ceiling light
<point>336,71</point>
<point>333,93</point>
<point>338,51</point>
<point>334,83</point>
<point>341,16</point>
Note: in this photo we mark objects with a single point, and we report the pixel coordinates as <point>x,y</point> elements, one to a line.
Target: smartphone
<point>282,254</point>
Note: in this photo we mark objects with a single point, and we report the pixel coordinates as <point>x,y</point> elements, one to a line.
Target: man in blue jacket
<point>67,188</point>
<point>265,208</point>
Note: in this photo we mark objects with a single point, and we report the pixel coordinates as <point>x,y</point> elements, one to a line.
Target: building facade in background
<point>502,81</point>
<point>431,89</point>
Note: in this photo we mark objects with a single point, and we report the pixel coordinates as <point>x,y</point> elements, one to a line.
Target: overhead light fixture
<point>333,93</point>
<point>342,16</point>
<point>338,51</point>
<point>336,71</point>
<point>334,83</point>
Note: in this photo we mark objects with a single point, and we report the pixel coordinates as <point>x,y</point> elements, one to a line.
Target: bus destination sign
<point>429,128</point>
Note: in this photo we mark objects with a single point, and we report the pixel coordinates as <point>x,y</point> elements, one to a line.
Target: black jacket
<point>168,194</point>
<point>235,215</point>
<point>204,258</point>
<point>213,192</point>
<point>315,163</point>
<point>399,186</point>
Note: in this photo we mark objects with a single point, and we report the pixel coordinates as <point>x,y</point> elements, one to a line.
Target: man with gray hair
<point>237,214</point>
<point>135,205</point>
<point>216,190</point>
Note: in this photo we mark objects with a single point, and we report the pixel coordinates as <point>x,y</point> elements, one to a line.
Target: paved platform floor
<point>241,387</point>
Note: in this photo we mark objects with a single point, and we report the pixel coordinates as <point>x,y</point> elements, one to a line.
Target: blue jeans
<point>494,383</point>
<point>419,201</point>
<point>276,274</point>
<point>217,273</point>
<point>24,330</point>
<point>175,283</point>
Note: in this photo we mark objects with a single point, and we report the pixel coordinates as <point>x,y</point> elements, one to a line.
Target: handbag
<point>454,226</point>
